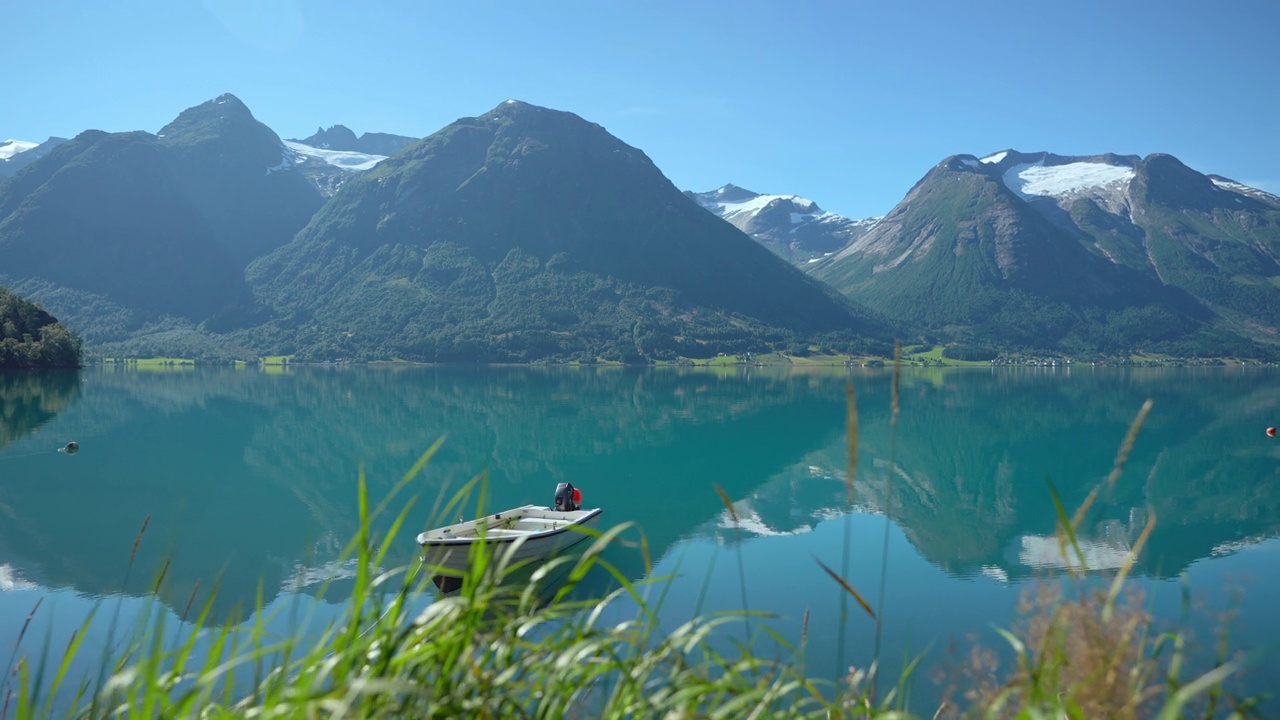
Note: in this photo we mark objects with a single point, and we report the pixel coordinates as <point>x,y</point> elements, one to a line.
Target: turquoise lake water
<point>248,477</point>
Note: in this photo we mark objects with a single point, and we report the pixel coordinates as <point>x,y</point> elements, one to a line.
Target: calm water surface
<point>247,477</point>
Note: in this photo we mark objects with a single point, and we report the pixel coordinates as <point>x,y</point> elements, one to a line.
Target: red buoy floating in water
<point>1271,432</point>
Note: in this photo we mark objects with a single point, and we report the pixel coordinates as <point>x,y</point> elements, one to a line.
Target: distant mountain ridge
<point>329,157</point>
<point>530,234</point>
<point>1074,253</point>
<point>793,227</point>
<point>341,137</point>
<point>115,232</point>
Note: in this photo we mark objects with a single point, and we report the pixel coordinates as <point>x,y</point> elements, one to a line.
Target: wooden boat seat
<point>538,524</point>
<point>523,526</point>
<point>504,532</point>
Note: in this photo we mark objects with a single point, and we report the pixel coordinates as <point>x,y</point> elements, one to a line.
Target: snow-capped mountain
<point>11,147</point>
<point>789,225</point>
<point>17,154</point>
<point>1100,252</point>
<point>1104,179</point>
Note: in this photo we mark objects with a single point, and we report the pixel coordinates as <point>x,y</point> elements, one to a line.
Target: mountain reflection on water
<point>243,476</point>
<point>975,452</point>
<point>30,399</point>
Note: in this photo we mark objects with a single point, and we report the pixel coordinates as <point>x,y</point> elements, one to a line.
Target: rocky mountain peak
<point>223,107</point>
<point>222,122</point>
<point>733,193</point>
<point>521,119</point>
<point>338,137</point>
<point>1164,179</point>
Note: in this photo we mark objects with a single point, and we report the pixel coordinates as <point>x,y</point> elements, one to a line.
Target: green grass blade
<point>1064,524</point>
<point>1122,455</point>
<point>71,652</point>
<point>1127,565</point>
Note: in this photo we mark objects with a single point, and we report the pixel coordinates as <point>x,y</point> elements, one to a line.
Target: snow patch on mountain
<point>9,148</point>
<point>1030,179</point>
<point>1105,184</point>
<point>286,162</point>
<point>1233,186</point>
<point>790,225</point>
<point>829,218</point>
<point>344,159</point>
<point>741,208</point>
<point>995,159</point>
<point>731,209</point>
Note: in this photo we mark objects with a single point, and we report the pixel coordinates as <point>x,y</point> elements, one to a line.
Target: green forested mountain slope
<point>118,232</point>
<point>1214,238</point>
<point>239,176</point>
<point>529,233</point>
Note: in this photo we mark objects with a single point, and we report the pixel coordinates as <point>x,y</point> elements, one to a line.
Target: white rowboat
<point>529,532</point>
<point>545,532</point>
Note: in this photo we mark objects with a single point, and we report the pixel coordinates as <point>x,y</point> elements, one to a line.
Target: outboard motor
<point>567,497</point>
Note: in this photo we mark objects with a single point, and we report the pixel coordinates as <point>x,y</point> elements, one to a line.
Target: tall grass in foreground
<point>514,643</point>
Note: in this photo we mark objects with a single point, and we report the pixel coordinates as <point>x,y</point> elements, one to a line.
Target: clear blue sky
<point>847,103</point>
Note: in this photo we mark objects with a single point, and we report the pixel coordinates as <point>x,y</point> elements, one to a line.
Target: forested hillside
<point>529,234</point>
<point>32,338</point>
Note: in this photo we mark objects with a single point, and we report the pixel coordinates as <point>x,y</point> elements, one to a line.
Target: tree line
<point>32,338</point>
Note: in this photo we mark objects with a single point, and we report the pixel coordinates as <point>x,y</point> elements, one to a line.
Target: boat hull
<point>454,554</point>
